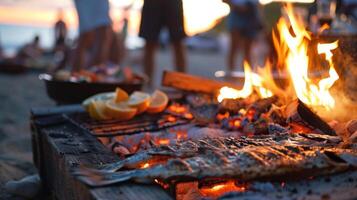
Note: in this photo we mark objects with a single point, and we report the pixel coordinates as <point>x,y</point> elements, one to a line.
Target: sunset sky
<point>44,13</point>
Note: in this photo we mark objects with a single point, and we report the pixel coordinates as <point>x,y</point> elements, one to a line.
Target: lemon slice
<point>98,97</point>
<point>120,95</point>
<point>96,110</point>
<point>158,102</point>
<point>119,111</point>
<point>140,101</point>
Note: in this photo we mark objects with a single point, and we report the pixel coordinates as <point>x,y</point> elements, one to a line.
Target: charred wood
<point>298,112</point>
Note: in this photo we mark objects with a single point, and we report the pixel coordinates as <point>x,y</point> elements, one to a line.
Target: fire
<point>222,188</point>
<point>292,45</point>
<point>252,81</point>
<point>296,60</point>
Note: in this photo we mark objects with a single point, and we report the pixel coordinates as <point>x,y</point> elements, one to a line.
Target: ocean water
<point>12,37</point>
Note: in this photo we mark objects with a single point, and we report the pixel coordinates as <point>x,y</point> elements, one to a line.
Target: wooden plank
<point>63,147</point>
<point>193,83</point>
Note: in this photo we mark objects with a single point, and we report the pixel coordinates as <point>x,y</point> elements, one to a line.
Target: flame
<point>222,188</point>
<point>252,81</point>
<point>293,48</point>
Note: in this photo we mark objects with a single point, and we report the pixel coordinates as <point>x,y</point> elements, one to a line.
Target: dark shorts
<point>157,14</point>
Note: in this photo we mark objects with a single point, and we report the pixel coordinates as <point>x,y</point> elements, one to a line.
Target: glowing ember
<point>222,188</point>
<point>146,165</point>
<point>296,60</point>
<point>164,141</point>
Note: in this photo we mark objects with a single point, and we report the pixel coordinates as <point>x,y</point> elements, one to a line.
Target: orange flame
<point>296,60</point>
<point>292,45</point>
<point>252,82</point>
<point>222,188</point>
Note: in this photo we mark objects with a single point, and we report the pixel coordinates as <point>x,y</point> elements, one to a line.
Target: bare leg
<point>79,53</point>
<point>101,46</point>
<point>149,53</point>
<point>233,50</point>
<point>179,54</point>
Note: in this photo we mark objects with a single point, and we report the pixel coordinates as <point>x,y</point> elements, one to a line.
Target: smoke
<point>344,90</point>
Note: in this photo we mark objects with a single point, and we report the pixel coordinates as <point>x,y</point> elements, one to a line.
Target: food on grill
<point>140,101</point>
<point>120,95</point>
<point>190,147</point>
<point>245,159</point>
<point>96,110</point>
<point>119,111</point>
<point>158,102</point>
<point>120,106</point>
<point>98,97</point>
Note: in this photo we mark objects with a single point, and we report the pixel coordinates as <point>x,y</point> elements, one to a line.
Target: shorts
<point>92,14</point>
<point>157,14</point>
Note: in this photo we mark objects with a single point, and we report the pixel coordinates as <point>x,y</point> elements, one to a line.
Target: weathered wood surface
<point>59,147</point>
<point>193,83</point>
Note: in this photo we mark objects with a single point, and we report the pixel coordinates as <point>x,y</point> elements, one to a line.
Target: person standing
<point>157,14</point>
<point>244,25</point>
<point>95,33</point>
<point>60,30</point>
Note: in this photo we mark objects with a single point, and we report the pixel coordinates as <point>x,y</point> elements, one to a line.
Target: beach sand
<point>19,93</point>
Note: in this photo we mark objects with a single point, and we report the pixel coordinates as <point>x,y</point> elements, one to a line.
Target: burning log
<point>232,105</point>
<point>297,112</point>
<point>262,106</point>
<point>193,83</point>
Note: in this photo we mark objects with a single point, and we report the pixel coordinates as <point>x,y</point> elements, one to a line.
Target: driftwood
<point>298,112</point>
<point>193,83</point>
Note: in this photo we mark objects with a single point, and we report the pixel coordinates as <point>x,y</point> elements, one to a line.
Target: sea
<point>13,37</point>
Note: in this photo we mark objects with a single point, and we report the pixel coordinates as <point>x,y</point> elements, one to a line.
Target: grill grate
<point>142,123</point>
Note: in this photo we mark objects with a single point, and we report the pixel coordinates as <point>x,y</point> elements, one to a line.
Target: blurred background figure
<point>31,50</point>
<point>60,30</point>
<point>60,49</point>
<point>1,51</point>
<point>95,34</point>
<point>156,15</point>
<point>244,25</point>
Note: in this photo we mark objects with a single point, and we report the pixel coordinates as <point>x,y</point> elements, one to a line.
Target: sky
<point>44,13</point>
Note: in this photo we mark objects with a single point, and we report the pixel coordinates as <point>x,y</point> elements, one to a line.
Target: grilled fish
<point>191,148</point>
<point>247,163</point>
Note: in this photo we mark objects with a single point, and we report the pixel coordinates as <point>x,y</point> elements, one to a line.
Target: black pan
<point>67,92</point>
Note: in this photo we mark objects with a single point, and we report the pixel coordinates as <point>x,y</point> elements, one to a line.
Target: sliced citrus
<point>98,97</point>
<point>158,103</point>
<point>119,111</point>
<point>120,95</point>
<point>96,110</point>
<point>140,101</point>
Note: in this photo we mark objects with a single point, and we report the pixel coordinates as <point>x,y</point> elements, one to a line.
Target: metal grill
<point>142,123</point>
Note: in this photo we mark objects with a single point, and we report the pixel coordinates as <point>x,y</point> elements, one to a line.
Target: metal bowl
<point>68,92</point>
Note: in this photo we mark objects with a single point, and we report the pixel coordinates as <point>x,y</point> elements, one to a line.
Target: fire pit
<point>68,145</point>
<point>215,140</point>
